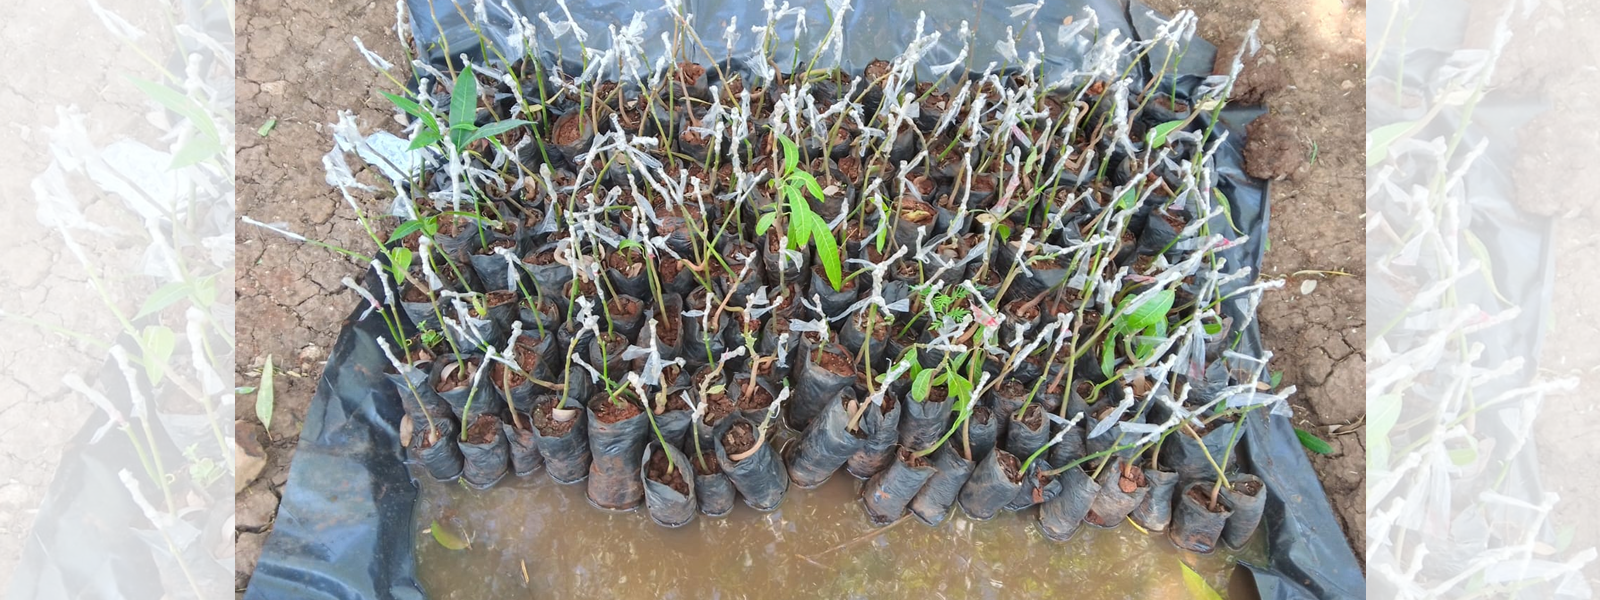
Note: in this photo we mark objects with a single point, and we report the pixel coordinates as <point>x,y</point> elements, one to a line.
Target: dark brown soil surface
<point>613,411</point>
<point>835,362</point>
<point>1202,494</point>
<point>483,429</point>
<point>505,378</point>
<point>547,424</point>
<point>458,377</point>
<point>1271,151</point>
<point>1132,478</point>
<point>754,397</point>
<point>717,406</point>
<point>708,466</point>
<point>657,470</point>
<point>1033,416</point>
<point>739,438</point>
<point>568,130</point>
<point>911,459</point>
<point>1010,466</point>
<point>500,297</point>
<point>1248,488</point>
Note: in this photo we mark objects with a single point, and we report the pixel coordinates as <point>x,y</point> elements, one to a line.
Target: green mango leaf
<point>958,386</point>
<point>1564,537</point>
<point>1379,140</point>
<point>464,99</point>
<point>1158,134</point>
<point>1378,455</point>
<point>204,291</point>
<point>179,103</point>
<point>791,153</point>
<point>1382,414</point>
<point>1108,355</point>
<point>158,342</point>
<point>264,397</point>
<point>449,539</point>
<point>827,251</point>
<point>1198,588</point>
<point>425,138</point>
<point>1485,263</point>
<point>1312,442</point>
<point>765,222</point>
<point>497,128</point>
<point>1464,455</point>
<point>194,151</point>
<point>922,385</point>
<point>416,110</point>
<point>810,183</point>
<point>407,228</point>
<point>1128,198</point>
<point>165,296</point>
<point>1148,313</point>
<point>1227,209</point>
<point>400,261</point>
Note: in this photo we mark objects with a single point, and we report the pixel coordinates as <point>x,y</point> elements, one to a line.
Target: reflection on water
<point>817,545</point>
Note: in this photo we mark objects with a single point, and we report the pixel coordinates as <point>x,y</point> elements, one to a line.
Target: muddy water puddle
<point>533,538</point>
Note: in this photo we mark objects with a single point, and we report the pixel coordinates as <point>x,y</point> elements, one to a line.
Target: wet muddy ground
<point>533,534</point>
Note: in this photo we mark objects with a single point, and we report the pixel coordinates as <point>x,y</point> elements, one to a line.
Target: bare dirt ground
<point>298,65</point>
<point>46,284</point>
<point>1552,57</point>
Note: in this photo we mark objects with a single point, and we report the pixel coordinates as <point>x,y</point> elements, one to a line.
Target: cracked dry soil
<point>298,65</point>
<point>38,416</point>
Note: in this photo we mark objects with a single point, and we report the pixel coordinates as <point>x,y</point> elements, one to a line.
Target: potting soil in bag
<point>886,494</point>
<point>618,431</point>
<point>932,503</point>
<point>828,443</point>
<point>757,472</point>
<point>668,493</point>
